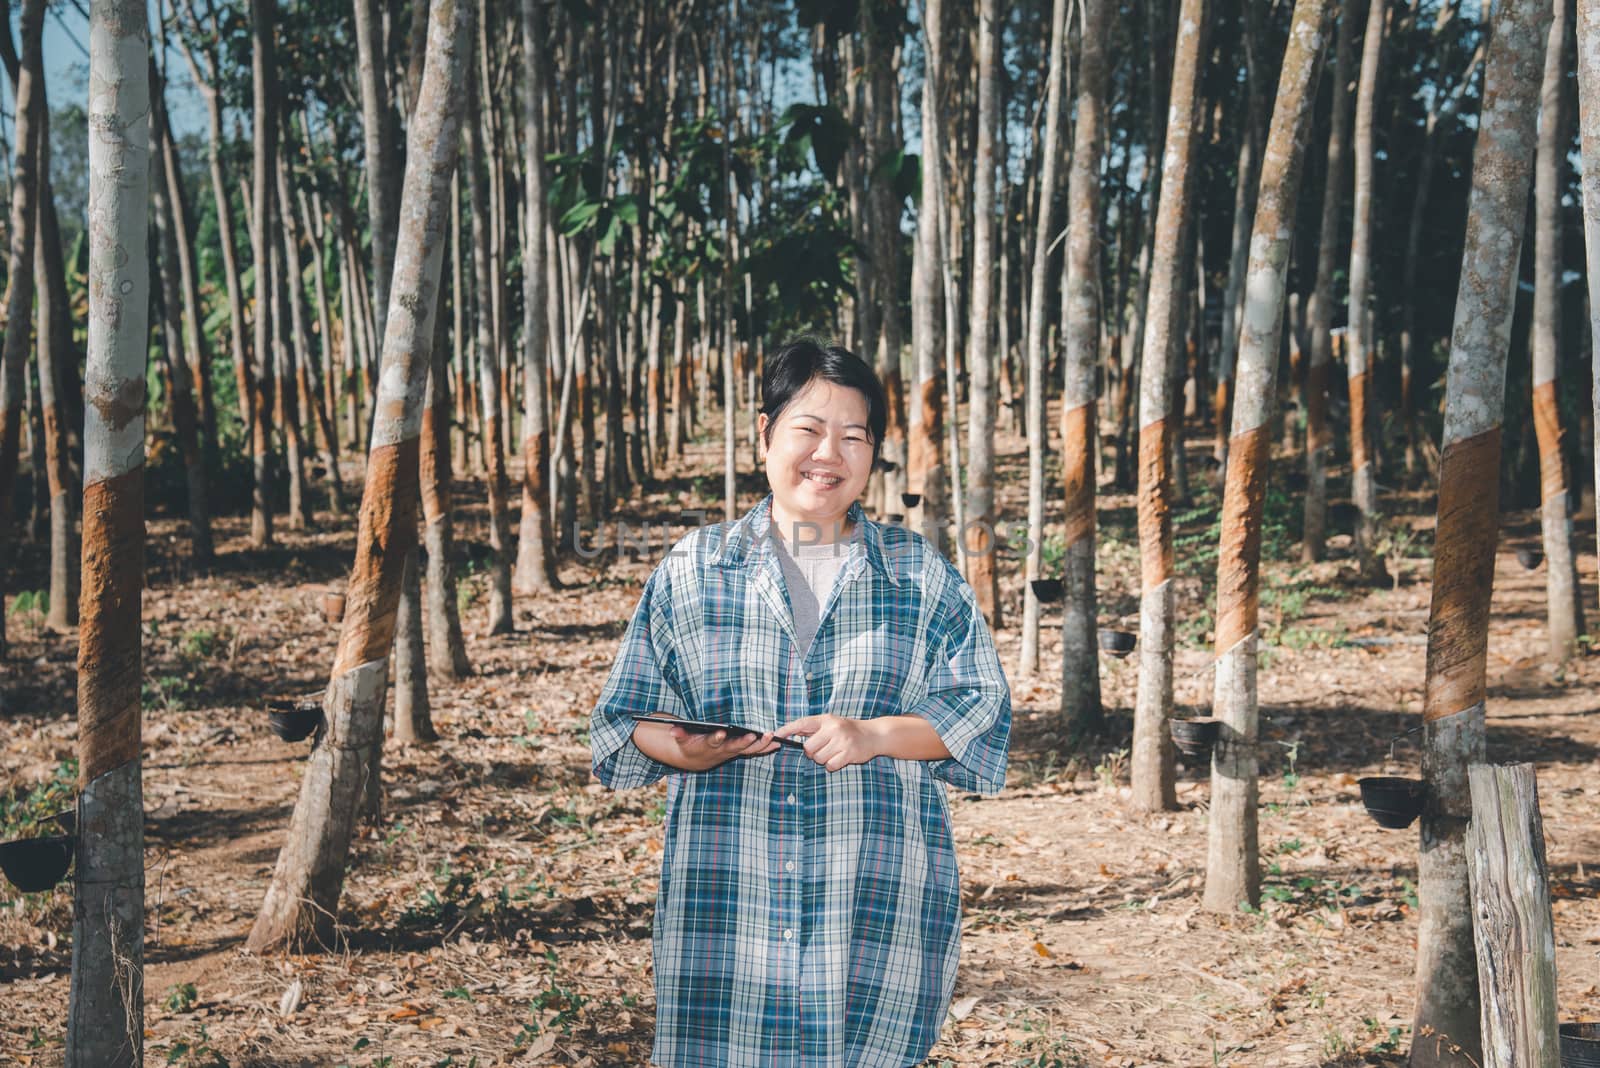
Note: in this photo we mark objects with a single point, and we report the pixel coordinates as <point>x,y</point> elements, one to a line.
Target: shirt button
<point>789,799</point>
<point>788,865</point>
<point>810,675</point>
<point>787,934</point>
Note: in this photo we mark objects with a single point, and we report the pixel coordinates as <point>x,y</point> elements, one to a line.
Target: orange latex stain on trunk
<point>108,637</point>
<point>923,448</point>
<point>435,461</point>
<point>536,477</point>
<point>387,534</point>
<point>1077,470</point>
<point>1220,402</point>
<point>1360,386</point>
<point>1155,505</point>
<point>1317,405</point>
<point>1547,428</point>
<point>1463,574</point>
<point>1239,556</point>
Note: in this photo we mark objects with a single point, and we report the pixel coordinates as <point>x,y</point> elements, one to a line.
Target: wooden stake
<point>1512,931</point>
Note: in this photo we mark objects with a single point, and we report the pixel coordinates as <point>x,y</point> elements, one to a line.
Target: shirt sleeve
<point>643,679</point>
<point>969,700</point>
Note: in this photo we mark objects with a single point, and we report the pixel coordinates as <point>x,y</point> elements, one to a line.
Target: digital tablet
<point>697,726</point>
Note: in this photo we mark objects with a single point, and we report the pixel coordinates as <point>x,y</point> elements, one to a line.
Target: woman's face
<point>818,457</point>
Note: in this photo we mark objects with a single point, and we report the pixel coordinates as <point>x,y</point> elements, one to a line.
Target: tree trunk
<point>1468,521</point>
<point>1080,647</point>
<point>730,486</point>
<point>1319,438</point>
<point>925,434</point>
<point>19,270</point>
<point>413,721</point>
<point>1563,606</point>
<point>1239,254</point>
<point>263,13</point>
<point>536,559</point>
<point>1588,31</point>
<point>1233,870</point>
<point>1510,882</point>
<point>1361,336</point>
<point>1049,154</point>
<point>447,649</point>
<point>380,127</point>
<point>302,902</point>
<point>56,361</point>
<point>105,1017</point>
<point>294,395</point>
<point>1153,786</point>
<point>878,49</point>
<point>185,413</point>
<point>980,519</point>
<point>500,615</point>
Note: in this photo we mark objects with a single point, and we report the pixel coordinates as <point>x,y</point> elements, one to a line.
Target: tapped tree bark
<point>1319,438</point>
<point>19,270</point>
<point>1233,869</point>
<point>302,902</point>
<point>1049,154</point>
<point>1467,530</point>
<point>1563,605</point>
<point>1588,33</point>
<point>1153,786</point>
<point>1361,336</point>
<point>446,648</point>
<point>105,1015</point>
<point>880,23</point>
<point>1080,647</point>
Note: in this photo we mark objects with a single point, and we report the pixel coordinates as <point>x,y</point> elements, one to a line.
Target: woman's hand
<point>680,749</point>
<point>836,742</point>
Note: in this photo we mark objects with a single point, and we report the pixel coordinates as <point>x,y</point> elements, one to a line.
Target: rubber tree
<point>1034,354</point>
<point>1588,33</point>
<point>19,270</point>
<point>536,558</point>
<point>488,354</point>
<point>1563,605</point>
<point>1152,766</point>
<point>925,463</point>
<point>1233,870</point>
<point>1080,647</point>
<point>1361,337</point>
<point>303,898</point>
<point>979,548</point>
<point>1319,437</point>
<point>262,192</point>
<point>880,22</point>
<point>1468,526</point>
<point>105,1016</point>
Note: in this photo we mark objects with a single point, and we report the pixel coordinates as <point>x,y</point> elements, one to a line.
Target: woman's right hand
<point>680,749</point>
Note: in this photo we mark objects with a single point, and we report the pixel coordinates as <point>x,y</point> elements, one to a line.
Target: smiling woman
<point>809,909</point>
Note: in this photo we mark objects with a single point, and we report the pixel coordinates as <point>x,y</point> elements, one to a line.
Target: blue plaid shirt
<point>806,919</point>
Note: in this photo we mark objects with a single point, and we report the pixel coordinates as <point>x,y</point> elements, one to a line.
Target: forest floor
<point>500,910</point>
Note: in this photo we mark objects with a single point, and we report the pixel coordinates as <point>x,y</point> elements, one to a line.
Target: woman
<point>809,909</point>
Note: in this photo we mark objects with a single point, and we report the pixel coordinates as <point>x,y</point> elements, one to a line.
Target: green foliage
<point>181,997</point>
<point>30,602</point>
<point>23,811</point>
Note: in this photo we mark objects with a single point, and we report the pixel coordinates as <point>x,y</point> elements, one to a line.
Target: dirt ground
<point>499,912</point>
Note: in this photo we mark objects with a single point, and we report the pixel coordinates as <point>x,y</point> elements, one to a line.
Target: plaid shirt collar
<point>747,542</point>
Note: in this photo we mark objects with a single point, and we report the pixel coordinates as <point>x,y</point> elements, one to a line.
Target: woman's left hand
<point>835,742</point>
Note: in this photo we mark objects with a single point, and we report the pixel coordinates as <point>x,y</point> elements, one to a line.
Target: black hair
<point>800,360</point>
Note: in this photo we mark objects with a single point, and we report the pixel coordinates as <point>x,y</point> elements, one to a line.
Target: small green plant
<point>1291,778</point>
<point>1390,1043</point>
<point>196,1053</point>
<point>555,1008</point>
<point>200,644</point>
<point>1111,767</point>
<point>30,602</point>
<point>182,997</point>
<point>23,810</point>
